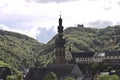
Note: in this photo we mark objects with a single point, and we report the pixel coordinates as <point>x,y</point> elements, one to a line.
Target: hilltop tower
<point>59,45</point>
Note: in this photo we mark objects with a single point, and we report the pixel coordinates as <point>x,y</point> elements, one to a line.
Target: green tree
<point>50,76</point>
<point>10,77</point>
<point>107,77</point>
<point>15,77</point>
<point>103,77</point>
<point>19,77</point>
<point>114,77</point>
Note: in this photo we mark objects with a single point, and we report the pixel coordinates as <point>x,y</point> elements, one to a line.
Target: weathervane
<point>60,14</point>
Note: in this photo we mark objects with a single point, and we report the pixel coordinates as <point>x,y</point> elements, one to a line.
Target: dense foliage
<point>89,39</point>
<point>20,51</point>
<point>14,70</point>
<point>107,77</point>
<point>14,77</point>
<point>17,50</point>
<point>50,76</point>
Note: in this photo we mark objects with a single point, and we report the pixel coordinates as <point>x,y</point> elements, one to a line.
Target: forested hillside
<point>18,50</point>
<point>89,39</point>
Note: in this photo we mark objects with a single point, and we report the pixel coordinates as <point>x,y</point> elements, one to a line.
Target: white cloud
<point>33,32</point>
<point>49,1</point>
<point>27,17</point>
<point>3,27</point>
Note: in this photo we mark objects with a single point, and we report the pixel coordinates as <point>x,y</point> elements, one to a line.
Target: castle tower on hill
<point>59,45</point>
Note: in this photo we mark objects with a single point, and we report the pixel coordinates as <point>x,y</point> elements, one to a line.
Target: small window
<point>60,53</point>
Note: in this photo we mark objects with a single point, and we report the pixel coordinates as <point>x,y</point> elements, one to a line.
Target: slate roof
<point>61,70</point>
<point>82,54</point>
<point>112,53</point>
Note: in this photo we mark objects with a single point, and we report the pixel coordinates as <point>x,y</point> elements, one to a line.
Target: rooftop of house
<point>95,54</point>
<point>112,53</point>
<point>61,70</point>
<point>83,54</point>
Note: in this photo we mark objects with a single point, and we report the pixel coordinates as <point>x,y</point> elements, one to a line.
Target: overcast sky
<point>39,18</point>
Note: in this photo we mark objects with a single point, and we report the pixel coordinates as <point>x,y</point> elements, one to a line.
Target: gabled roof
<point>35,74</point>
<point>82,54</point>
<point>61,70</point>
<point>112,53</point>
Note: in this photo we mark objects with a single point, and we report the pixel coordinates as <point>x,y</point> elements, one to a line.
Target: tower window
<point>57,53</point>
<point>60,53</point>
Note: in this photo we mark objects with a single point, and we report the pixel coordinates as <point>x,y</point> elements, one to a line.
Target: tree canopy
<point>50,76</point>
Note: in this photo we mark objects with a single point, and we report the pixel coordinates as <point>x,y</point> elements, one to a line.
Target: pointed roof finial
<point>60,13</point>
<point>60,20</point>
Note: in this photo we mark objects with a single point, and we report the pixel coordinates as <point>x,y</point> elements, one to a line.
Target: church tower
<point>59,45</point>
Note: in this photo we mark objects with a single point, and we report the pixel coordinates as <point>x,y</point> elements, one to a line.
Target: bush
<point>107,77</point>
<point>50,76</point>
<point>15,77</point>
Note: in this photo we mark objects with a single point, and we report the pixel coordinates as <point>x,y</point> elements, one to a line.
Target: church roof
<point>82,54</point>
<point>61,70</point>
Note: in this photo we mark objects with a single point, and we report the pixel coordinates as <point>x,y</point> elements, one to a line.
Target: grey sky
<point>101,24</point>
<point>47,1</point>
<point>37,17</point>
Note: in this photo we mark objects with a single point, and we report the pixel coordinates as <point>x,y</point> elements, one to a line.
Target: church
<point>61,67</point>
<point>66,63</point>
